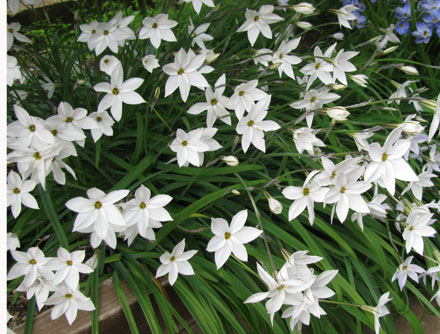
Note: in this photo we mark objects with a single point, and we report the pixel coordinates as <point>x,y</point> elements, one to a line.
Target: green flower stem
<point>258,215</point>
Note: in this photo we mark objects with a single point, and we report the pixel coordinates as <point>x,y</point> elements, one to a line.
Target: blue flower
<point>360,20</point>
<point>433,19</point>
<point>404,13</point>
<point>430,5</point>
<point>423,33</point>
<point>402,27</point>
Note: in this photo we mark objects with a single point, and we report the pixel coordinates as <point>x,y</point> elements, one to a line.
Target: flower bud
<point>92,262</point>
<point>150,62</point>
<point>339,36</point>
<point>274,66</point>
<point>338,113</point>
<point>360,79</point>
<point>411,70</point>
<point>429,104</point>
<point>304,25</point>
<point>230,160</point>
<point>338,86</point>
<point>235,192</point>
<point>12,242</point>
<point>303,8</point>
<point>274,205</point>
<point>157,93</point>
<point>412,127</point>
<point>389,50</point>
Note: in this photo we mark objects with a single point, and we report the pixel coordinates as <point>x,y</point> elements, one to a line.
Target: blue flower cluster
<point>429,9</point>
<point>360,19</point>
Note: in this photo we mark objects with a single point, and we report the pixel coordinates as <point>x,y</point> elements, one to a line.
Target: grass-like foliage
<point>275,162</point>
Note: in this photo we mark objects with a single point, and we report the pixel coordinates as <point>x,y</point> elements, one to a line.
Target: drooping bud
<point>303,8</point>
<point>274,205</point>
<point>230,160</point>
<point>338,113</point>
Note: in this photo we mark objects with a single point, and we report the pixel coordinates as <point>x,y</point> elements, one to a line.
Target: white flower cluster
<point>99,215</point>
<point>39,146</point>
<point>43,275</point>
<point>297,287</point>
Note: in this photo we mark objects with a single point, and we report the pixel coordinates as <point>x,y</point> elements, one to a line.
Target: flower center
<point>227,235</point>
<point>426,32</point>
<point>11,30</point>
<point>32,128</point>
<point>250,123</point>
<point>342,190</point>
<point>54,132</point>
<point>180,71</point>
<point>333,175</point>
<point>69,119</point>
<point>68,295</point>
<point>37,156</point>
<point>384,157</point>
<point>154,25</point>
<point>98,119</point>
<point>317,66</point>
<point>281,287</point>
<point>411,228</point>
<point>281,56</point>
<point>142,205</point>
<point>16,191</point>
<point>213,102</point>
<point>256,18</point>
<point>313,99</point>
<point>115,91</point>
<point>32,261</point>
<point>69,263</point>
<point>240,93</point>
<point>106,61</point>
<point>306,191</point>
<point>172,258</point>
<point>98,205</point>
<point>105,32</point>
<point>184,143</point>
<point>93,31</point>
<point>404,267</point>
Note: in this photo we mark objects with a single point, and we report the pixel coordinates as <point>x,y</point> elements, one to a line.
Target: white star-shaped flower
<point>407,269</point>
<point>158,28</point>
<point>215,104</point>
<point>305,196</point>
<point>305,139</point>
<point>244,97</point>
<point>257,22</point>
<point>190,146</point>
<point>346,193</point>
<point>184,73</point>
<point>98,215</point>
<point>67,301</point>
<point>418,226</point>
<point>146,212</point>
<point>197,4</point>
<point>68,266</point>
<point>252,126</point>
<point>31,264</point>
<point>285,60</point>
<point>176,263</point>
<point>18,192</point>
<point>105,123</point>
<point>198,34</point>
<point>119,92</point>
<point>387,163</point>
<point>13,71</point>
<point>231,238</point>
<point>13,29</point>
